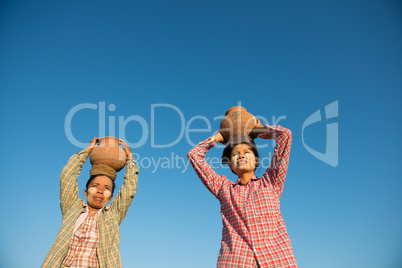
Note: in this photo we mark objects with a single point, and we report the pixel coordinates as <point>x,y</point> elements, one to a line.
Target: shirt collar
<point>97,213</point>
<point>84,205</point>
<point>254,178</point>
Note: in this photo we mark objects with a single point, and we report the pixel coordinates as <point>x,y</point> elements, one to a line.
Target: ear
<point>230,165</point>
<point>86,193</point>
<point>257,162</point>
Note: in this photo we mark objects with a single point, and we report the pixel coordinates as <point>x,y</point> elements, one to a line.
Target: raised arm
<point>69,192</point>
<point>208,176</point>
<point>280,160</point>
<point>123,200</point>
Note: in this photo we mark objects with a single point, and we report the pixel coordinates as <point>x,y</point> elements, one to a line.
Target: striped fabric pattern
<point>72,206</point>
<point>253,227</point>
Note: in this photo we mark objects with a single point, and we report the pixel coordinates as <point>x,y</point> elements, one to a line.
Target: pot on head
<point>238,122</point>
<point>110,153</point>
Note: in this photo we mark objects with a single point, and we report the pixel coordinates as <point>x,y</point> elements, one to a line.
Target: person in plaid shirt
<point>89,235</point>
<point>254,232</point>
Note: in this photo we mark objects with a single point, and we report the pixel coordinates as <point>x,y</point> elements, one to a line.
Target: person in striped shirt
<point>253,233</point>
<point>89,235</point>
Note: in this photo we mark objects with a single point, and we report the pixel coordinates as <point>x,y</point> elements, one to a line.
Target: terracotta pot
<point>237,122</point>
<point>110,153</point>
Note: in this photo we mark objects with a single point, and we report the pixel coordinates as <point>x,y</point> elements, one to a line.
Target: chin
<point>242,171</point>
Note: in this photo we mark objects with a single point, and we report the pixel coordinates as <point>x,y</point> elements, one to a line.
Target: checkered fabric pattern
<point>82,250</point>
<point>72,206</point>
<point>253,227</point>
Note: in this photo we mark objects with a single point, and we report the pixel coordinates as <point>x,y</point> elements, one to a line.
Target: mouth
<point>242,162</point>
<point>98,198</point>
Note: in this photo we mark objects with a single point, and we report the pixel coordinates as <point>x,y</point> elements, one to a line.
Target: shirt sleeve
<point>276,172</point>
<point>208,176</point>
<point>68,180</point>
<point>125,196</point>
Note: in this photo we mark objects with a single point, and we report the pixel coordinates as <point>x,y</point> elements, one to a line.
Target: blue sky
<point>161,69</point>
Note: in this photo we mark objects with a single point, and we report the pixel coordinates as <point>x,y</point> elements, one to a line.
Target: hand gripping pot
<point>110,153</point>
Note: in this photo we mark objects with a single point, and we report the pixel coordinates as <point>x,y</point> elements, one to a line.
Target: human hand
<point>259,129</point>
<point>258,123</point>
<point>126,148</point>
<point>92,144</point>
<point>217,137</point>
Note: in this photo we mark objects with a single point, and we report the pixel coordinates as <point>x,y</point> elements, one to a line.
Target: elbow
<point>190,155</point>
<point>288,133</point>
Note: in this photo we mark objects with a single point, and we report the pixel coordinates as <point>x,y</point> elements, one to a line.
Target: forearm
<point>208,176</point>
<point>275,132</point>
<point>127,191</point>
<point>283,139</point>
<point>280,159</point>
<point>68,179</point>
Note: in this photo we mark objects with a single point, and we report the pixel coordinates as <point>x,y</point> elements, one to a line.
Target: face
<point>99,192</point>
<point>242,159</point>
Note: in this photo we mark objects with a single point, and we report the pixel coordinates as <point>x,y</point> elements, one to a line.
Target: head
<point>241,156</point>
<point>100,186</point>
<point>99,191</point>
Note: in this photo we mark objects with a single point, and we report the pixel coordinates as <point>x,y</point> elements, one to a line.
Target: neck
<point>92,211</point>
<point>246,177</point>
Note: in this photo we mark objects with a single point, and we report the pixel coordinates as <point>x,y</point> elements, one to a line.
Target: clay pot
<point>238,122</point>
<point>110,153</point>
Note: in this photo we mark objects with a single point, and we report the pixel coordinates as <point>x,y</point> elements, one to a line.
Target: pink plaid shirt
<point>253,227</point>
<point>82,250</point>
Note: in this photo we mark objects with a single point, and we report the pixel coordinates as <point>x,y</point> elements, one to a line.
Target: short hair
<point>93,177</point>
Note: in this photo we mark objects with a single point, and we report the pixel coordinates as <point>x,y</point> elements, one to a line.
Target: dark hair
<point>226,155</point>
<point>93,177</point>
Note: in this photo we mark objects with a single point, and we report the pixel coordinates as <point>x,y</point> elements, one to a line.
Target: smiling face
<point>242,159</point>
<point>99,192</point>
